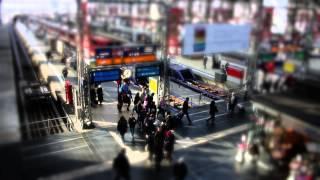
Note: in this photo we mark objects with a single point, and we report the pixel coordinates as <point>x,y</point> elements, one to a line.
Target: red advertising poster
<point>235,72</point>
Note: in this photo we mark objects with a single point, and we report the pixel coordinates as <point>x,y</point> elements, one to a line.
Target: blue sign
<point>105,75</point>
<point>148,71</point>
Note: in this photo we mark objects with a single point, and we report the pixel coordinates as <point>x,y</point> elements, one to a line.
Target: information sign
<point>148,71</point>
<point>105,75</point>
<point>125,55</point>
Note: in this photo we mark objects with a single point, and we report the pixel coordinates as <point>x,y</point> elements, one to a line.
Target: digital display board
<point>148,71</point>
<point>215,38</point>
<point>125,55</point>
<point>105,75</point>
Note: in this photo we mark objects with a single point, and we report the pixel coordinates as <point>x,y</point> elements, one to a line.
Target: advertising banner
<point>215,38</point>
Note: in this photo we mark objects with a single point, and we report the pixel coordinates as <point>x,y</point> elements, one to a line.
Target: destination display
<point>105,75</point>
<point>148,71</point>
<point>125,55</point>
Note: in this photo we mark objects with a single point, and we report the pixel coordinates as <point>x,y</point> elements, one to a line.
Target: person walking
<point>205,60</point>
<point>132,124</point>
<point>169,144</point>
<point>121,166</point>
<point>100,94</point>
<point>185,110</point>
<point>212,111</point>
<point>180,170</point>
<point>122,126</point>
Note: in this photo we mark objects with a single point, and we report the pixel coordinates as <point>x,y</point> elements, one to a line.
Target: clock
<point>126,74</point>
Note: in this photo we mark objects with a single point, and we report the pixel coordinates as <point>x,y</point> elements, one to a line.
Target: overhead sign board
<point>215,38</point>
<point>105,75</point>
<point>125,55</point>
<point>148,71</point>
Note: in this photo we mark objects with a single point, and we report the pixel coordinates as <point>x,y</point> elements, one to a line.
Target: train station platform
<point>9,129</point>
<point>10,135</point>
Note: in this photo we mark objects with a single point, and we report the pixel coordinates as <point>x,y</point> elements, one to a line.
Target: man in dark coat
<point>136,102</point>
<point>100,94</point>
<point>122,126</point>
<point>150,145</point>
<point>185,110</point>
<point>212,111</point>
<point>132,124</point>
<point>180,170</point>
<point>158,147</point>
<point>121,166</point>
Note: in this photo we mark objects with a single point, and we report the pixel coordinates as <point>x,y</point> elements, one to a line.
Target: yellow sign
<point>289,67</point>
<point>153,85</point>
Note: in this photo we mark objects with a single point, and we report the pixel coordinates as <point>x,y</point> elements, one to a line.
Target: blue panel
<point>148,71</point>
<point>105,75</point>
<point>103,53</point>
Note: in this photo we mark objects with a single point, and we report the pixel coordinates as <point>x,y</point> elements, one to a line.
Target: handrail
<point>42,121</point>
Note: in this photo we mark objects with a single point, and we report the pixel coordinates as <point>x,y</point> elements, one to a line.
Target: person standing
<point>162,107</point>
<point>135,102</point>
<point>158,147</point>
<point>100,94</point>
<point>122,126</point>
<point>212,111</point>
<point>65,72</point>
<point>205,60</point>
<point>169,144</point>
<point>132,124</point>
<point>93,96</point>
<point>185,110</point>
<point>150,145</point>
<point>233,101</point>
<point>120,102</point>
<point>180,170</point>
<point>121,166</point>
<point>149,102</point>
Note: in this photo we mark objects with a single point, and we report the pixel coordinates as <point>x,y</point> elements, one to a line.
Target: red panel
<point>235,72</point>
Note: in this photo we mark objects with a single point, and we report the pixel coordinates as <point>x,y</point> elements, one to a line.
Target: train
<point>68,35</point>
<point>185,77</point>
<point>35,48</point>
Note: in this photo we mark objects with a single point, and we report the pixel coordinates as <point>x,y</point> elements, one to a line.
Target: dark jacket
<point>122,126</point>
<point>121,164</point>
<point>136,99</point>
<point>100,93</point>
<point>180,170</point>
<point>213,109</point>
<point>132,122</point>
<point>185,106</point>
<point>169,142</point>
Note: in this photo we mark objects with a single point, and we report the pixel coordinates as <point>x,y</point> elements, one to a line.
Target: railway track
<point>40,115</point>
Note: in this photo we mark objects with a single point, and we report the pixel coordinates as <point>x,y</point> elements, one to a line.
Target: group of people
<point>154,123</point>
<point>121,167</point>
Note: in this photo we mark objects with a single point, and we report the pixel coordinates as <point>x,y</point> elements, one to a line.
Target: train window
<point>174,74</point>
<point>187,74</point>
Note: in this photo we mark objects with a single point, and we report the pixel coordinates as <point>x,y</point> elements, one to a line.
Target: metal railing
<point>195,100</point>
<point>48,125</point>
